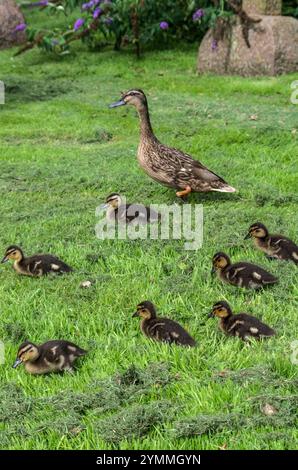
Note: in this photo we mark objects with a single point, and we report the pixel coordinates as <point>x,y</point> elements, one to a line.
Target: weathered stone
<point>262,7</point>
<point>10,17</point>
<point>273,49</point>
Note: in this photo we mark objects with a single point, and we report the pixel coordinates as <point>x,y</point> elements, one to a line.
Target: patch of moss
<point>15,332</point>
<point>14,403</point>
<point>19,89</point>
<point>135,421</point>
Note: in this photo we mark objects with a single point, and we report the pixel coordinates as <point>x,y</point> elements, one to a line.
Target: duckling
<point>241,274</point>
<point>52,356</point>
<point>36,265</point>
<point>161,329</point>
<point>127,213</point>
<point>241,325</point>
<point>275,246</point>
<point>166,165</point>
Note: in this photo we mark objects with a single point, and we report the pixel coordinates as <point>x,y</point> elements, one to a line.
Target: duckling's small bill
<point>16,363</point>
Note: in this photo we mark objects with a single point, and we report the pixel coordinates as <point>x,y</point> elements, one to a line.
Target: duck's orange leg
<point>185,192</point>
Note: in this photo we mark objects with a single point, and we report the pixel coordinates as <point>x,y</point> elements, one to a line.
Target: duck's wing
<point>46,264</point>
<point>50,352</point>
<point>285,247</point>
<point>249,275</point>
<point>244,325</point>
<point>236,274</point>
<point>260,275</point>
<point>53,350</point>
<point>140,214</point>
<point>185,171</point>
<point>170,331</point>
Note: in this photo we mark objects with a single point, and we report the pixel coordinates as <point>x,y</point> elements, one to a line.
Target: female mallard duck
<point>36,265</point>
<point>275,246</point>
<point>169,166</point>
<point>241,325</point>
<point>241,274</point>
<point>161,329</point>
<point>118,210</point>
<point>52,356</point>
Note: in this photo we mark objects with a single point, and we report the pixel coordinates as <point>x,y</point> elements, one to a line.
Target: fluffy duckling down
<point>118,210</point>
<point>241,274</point>
<point>274,246</point>
<point>161,329</point>
<point>36,265</point>
<point>242,325</point>
<point>52,356</point>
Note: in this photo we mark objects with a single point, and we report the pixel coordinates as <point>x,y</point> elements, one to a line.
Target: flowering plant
<point>140,23</point>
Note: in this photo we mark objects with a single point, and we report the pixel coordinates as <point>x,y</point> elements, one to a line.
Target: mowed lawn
<point>62,152</point>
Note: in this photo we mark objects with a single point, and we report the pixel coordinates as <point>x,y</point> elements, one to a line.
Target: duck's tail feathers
<point>225,189</point>
<point>81,352</point>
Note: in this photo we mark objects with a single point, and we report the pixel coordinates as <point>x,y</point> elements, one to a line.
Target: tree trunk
<point>10,17</point>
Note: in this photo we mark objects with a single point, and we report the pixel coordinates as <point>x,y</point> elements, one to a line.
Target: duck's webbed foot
<point>184,193</point>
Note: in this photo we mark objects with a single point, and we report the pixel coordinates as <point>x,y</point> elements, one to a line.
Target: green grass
<point>62,152</point>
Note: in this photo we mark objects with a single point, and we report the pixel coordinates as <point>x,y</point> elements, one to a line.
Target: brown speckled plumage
<point>167,165</point>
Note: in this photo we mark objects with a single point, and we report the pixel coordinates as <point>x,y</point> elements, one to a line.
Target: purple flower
<point>164,25</point>
<point>78,24</point>
<point>97,12</point>
<point>21,27</point>
<point>88,5</point>
<point>214,44</point>
<point>42,3</point>
<point>198,14</point>
<point>55,42</point>
<point>108,21</point>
